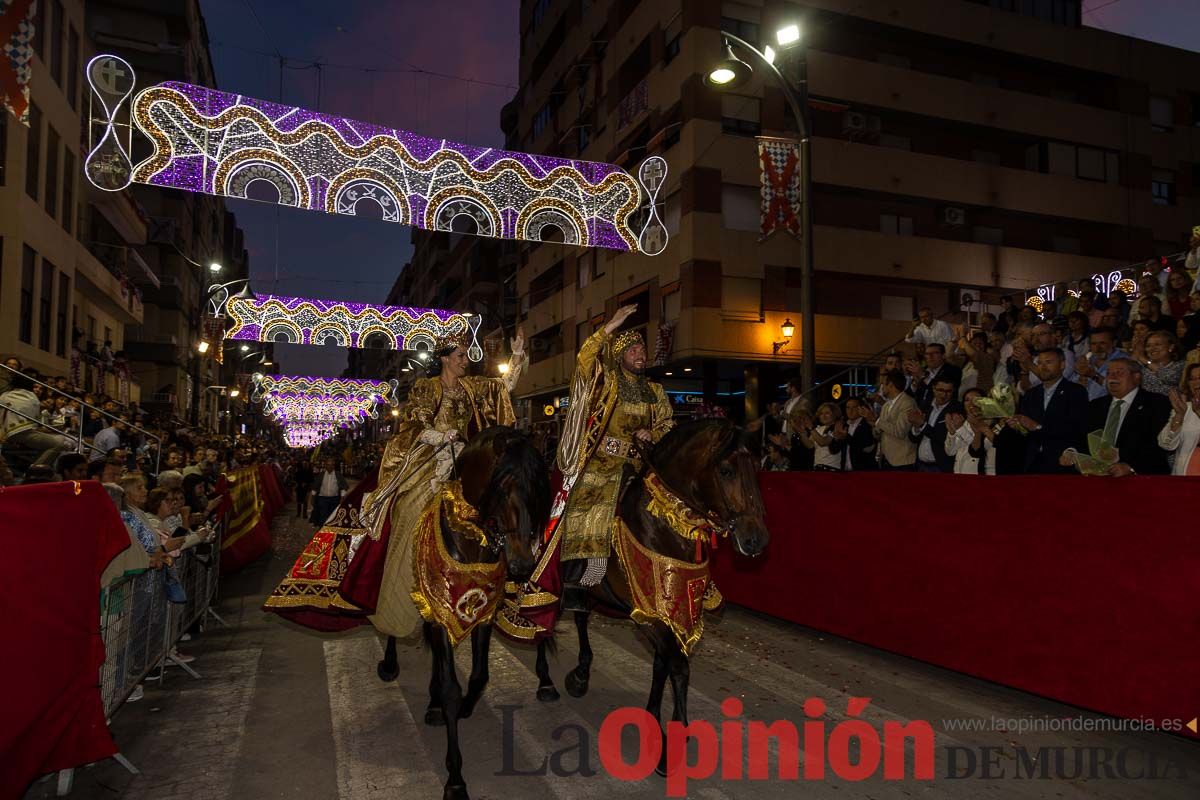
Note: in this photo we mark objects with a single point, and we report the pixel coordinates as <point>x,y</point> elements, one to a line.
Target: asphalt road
<point>283,712</point>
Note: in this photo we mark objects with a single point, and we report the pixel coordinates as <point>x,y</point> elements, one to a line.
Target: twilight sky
<point>325,256</point>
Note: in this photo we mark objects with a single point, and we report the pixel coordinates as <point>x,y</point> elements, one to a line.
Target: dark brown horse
<point>705,464</point>
<point>506,480</point>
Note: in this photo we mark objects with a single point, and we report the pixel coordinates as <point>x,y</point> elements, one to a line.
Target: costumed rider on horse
<point>612,405</point>
<point>443,411</point>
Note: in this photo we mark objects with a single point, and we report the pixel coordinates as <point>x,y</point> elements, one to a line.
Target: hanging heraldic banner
<point>780,163</point>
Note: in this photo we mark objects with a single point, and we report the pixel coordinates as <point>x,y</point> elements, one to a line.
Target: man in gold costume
<point>612,405</point>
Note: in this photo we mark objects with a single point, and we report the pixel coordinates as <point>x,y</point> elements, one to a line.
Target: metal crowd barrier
<point>141,626</point>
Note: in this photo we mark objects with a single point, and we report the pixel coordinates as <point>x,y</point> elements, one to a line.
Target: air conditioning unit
<point>954,216</point>
<point>854,122</point>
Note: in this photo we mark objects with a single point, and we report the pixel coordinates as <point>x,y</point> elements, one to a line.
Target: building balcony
<point>105,283</point>
<point>158,349</point>
<point>952,181</point>
<point>168,295</point>
<point>874,84</point>
<point>951,263</point>
<point>545,376</point>
<point>122,213</point>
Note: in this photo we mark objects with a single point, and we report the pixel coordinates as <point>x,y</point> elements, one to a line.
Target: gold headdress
<point>626,340</point>
<point>448,341</point>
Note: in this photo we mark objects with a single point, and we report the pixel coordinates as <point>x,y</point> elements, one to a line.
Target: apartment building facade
<point>186,232</point>
<point>987,146</point>
<point>68,270</point>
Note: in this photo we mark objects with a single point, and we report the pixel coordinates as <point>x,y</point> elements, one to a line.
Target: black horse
<point>506,479</point>
<point>706,464</point>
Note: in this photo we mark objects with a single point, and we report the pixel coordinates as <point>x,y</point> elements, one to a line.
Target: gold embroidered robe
<point>601,413</point>
<point>409,478</point>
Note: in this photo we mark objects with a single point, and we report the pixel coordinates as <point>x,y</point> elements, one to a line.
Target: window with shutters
<point>52,148</point>
<point>46,305</point>
<point>25,321</point>
<point>741,207</point>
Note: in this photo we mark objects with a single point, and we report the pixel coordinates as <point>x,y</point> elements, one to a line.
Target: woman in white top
<point>820,437</point>
<point>968,438</point>
<point>1182,431</point>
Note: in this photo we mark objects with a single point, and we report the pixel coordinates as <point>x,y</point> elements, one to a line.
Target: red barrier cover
<point>58,538</point>
<point>1078,589</point>
<point>254,497</point>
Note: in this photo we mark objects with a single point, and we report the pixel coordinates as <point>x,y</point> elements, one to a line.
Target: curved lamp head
<point>728,73</point>
<point>246,293</point>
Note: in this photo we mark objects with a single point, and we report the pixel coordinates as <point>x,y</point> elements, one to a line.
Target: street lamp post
<point>729,74</point>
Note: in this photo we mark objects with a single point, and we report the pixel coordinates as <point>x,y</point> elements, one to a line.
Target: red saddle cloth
<point>334,584</point>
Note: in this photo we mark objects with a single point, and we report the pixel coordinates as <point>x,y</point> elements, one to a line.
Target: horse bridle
<point>719,527</point>
<point>496,539</point>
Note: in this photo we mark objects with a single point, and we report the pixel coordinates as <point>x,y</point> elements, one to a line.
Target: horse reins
<point>719,527</point>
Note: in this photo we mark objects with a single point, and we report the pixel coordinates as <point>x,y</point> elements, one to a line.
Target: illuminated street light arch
<point>220,143</point>
<point>299,320</point>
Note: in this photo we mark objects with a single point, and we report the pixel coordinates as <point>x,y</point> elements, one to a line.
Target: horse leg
<point>481,639</point>
<point>577,679</point>
<point>434,715</point>
<point>389,668</point>
<point>681,670</point>
<point>546,691</point>
<point>658,683</point>
<point>451,697</point>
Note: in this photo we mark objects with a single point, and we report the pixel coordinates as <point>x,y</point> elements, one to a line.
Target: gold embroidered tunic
<point>611,406</point>
<point>413,470</point>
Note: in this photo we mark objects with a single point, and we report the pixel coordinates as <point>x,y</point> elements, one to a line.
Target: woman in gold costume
<point>360,564</point>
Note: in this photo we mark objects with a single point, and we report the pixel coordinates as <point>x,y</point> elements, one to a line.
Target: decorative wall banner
<point>780,162</point>
<point>221,143</point>
<point>16,36</point>
<point>302,321</point>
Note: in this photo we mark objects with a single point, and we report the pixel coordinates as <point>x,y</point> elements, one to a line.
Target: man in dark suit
<point>1130,417</point>
<point>1054,413</point>
<point>854,439</point>
<point>936,368</point>
<point>929,427</point>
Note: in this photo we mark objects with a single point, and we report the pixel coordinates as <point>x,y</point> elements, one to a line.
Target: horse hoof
<point>576,686</point>
<point>435,717</point>
<point>387,672</point>
<point>547,694</point>
<point>456,793</point>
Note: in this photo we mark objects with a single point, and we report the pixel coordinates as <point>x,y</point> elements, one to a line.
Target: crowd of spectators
<point>169,515</point>
<point>1088,363</point>
<point>163,476</point>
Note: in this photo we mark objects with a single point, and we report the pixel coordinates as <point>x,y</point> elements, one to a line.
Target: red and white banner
<point>780,162</point>
<point>16,36</point>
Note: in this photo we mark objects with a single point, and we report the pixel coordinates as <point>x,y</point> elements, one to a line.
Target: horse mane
<point>726,435</point>
<point>518,462</point>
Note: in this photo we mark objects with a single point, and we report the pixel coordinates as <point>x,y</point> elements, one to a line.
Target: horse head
<point>708,463</point>
<point>514,506</point>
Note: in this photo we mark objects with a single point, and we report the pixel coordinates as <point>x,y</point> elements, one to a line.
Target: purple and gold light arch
<point>220,143</point>
<point>298,320</point>
<point>350,390</point>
